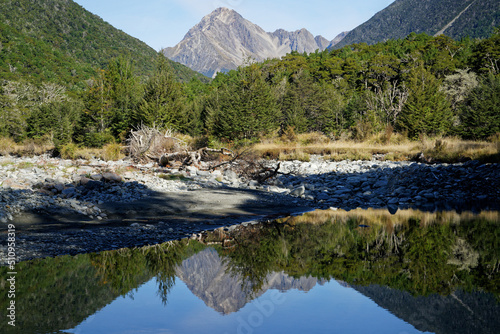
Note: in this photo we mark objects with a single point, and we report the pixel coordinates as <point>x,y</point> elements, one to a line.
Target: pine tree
<point>427,111</point>
<point>480,116</point>
<point>244,107</point>
<point>125,93</point>
<point>56,120</point>
<point>163,102</point>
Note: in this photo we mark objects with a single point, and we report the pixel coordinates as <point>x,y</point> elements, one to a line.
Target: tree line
<point>416,85</point>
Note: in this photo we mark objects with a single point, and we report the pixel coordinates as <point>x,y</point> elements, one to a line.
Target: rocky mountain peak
<point>224,40</point>
<point>225,15</point>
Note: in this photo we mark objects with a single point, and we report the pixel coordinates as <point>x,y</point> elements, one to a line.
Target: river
<point>327,271</point>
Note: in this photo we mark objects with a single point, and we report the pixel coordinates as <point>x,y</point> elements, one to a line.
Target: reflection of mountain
<point>474,312</point>
<point>207,277</point>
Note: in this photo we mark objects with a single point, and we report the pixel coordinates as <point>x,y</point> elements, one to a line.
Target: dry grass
<point>29,147</point>
<point>382,217</point>
<point>291,146</point>
<point>112,152</point>
<point>8,147</point>
<point>452,149</point>
<point>394,146</point>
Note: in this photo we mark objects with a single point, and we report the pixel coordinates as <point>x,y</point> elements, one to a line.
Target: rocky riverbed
<point>68,207</point>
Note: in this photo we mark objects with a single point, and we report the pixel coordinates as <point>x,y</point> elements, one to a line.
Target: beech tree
<point>427,110</point>
<point>164,101</point>
<point>480,116</point>
<point>244,107</point>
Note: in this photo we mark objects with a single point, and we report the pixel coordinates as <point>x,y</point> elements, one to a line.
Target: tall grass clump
<point>112,152</point>
<point>7,146</point>
<point>69,151</point>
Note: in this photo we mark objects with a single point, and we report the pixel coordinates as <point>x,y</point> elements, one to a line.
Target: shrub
<point>69,151</point>
<point>7,146</point>
<point>313,138</point>
<point>111,152</point>
<point>37,146</point>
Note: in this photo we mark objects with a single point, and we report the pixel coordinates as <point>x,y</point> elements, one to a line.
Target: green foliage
<point>110,100</point>
<point>164,101</point>
<point>55,120</point>
<point>426,110</point>
<point>243,107</point>
<point>486,55</point>
<point>53,51</point>
<point>59,41</point>
<point>480,116</point>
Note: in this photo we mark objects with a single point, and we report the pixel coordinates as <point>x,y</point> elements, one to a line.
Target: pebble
<point>49,184</point>
<point>52,185</point>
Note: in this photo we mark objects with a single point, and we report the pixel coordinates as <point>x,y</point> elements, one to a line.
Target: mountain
<point>454,18</point>
<point>224,40</point>
<point>58,40</point>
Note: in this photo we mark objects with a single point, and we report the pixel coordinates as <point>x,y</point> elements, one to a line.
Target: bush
<point>37,146</point>
<point>7,146</point>
<point>98,139</point>
<point>111,152</point>
<point>480,113</point>
<point>68,151</point>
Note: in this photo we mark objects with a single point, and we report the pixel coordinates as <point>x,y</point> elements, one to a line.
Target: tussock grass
<point>393,146</point>
<point>453,149</point>
<point>29,147</point>
<point>8,146</point>
<point>112,152</point>
<point>382,217</point>
<point>294,155</point>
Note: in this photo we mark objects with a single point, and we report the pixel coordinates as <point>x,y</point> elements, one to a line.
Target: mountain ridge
<point>224,40</point>
<point>454,18</point>
<point>59,40</point>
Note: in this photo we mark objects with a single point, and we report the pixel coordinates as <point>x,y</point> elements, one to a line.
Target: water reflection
<point>335,271</point>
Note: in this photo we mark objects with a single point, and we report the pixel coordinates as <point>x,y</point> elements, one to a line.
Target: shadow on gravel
<point>430,188</point>
<point>207,207</point>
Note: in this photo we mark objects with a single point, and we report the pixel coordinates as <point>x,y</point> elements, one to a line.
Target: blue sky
<point>163,23</point>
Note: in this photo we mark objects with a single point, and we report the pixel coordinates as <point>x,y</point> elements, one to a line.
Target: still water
<point>362,271</point>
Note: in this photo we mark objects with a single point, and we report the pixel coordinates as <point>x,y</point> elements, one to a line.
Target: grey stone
<point>299,191</point>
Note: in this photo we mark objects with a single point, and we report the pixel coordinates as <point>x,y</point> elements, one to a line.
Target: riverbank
<point>75,206</point>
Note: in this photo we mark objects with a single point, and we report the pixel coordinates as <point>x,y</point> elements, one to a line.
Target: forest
<point>419,85</point>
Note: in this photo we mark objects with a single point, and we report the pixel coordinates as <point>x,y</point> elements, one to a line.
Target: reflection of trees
<point>124,270</point>
<point>413,255</point>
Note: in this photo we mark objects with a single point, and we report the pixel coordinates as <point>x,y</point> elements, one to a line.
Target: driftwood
<point>151,144</point>
<point>194,158</point>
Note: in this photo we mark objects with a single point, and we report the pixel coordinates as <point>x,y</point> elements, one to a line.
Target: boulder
<point>299,191</point>
<point>111,177</point>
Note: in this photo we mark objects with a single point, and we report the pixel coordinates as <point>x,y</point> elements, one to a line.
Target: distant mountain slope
<point>40,36</point>
<point>459,312</point>
<point>224,40</point>
<point>473,18</point>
